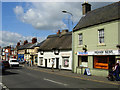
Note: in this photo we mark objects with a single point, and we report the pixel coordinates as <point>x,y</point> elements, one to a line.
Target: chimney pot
<point>25,42</point>
<point>18,44</point>
<point>64,31</point>
<point>86,7</point>
<point>58,32</point>
<point>34,40</point>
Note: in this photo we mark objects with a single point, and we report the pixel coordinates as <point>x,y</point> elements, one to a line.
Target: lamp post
<point>70,14</point>
<point>56,51</point>
<point>41,52</point>
<point>72,39</point>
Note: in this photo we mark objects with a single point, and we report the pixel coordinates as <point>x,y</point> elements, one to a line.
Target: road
<point>22,77</point>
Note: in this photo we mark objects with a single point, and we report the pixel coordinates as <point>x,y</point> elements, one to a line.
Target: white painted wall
<point>49,55</point>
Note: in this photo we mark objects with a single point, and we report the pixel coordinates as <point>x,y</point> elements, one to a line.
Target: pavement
<point>67,73</point>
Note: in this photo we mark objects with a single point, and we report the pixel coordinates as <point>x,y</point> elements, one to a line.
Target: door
<point>111,62</point>
<point>46,63</point>
<point>57,63</point>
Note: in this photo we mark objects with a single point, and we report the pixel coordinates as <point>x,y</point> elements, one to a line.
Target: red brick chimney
<point>64,31</point>
<point>25,42</point>
<point>34,40</point>
<point>86,7</point>
<point>58,32</point>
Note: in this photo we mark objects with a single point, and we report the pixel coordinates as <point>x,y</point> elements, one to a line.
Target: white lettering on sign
<point>104,52</point>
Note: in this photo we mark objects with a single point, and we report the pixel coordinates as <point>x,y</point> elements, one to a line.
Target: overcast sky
<point>24,20</point>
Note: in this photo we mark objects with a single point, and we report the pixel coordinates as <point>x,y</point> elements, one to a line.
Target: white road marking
<point>55,82</point>
<point>3,86</point>
<point>19,70</point>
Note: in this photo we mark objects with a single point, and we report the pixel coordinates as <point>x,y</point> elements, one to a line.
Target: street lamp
<point>56,51</point>
<point>72,35</point>
<point>70,14</point>
<point>41,51</point>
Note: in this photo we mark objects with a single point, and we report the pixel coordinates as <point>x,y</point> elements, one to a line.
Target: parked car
<point>6,63</point>
<point>2,67</point>
<point>13,62</point>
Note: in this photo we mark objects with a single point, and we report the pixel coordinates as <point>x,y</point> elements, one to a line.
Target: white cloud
<point>11,38</point>
<point>47,16</point>
<point>19,10</point>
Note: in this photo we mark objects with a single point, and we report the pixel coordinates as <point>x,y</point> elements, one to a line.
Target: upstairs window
<point>80,39</point>
<point>101,35</point>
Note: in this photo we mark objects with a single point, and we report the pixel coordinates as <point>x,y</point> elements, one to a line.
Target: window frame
<point>41,60</point>
<point>66,59</point>
<point>98,62</point>
<point>101,36</point>
<point>80,38</point>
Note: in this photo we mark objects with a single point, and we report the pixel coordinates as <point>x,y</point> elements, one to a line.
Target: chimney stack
<point>58,32</point>
<point>25,42</point>
<point>64,31</point>
<point>18,44</point>
<point>86,7</point>
<point>34,40</point>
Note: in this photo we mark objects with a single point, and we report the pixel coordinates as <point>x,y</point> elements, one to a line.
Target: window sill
<point>101,44</point>
<point>80,46</point>
<point>100,69</point>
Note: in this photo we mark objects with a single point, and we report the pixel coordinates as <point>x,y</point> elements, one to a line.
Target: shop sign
<point>100,52</point>
<point>82,53</point>
<point>65,54</point>
<point>106,52</point>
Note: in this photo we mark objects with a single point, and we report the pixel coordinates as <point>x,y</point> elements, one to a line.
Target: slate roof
<point>26,46</point>
<point>101,15</point>
<point>39,44</point>
<point>29,46</point>
<point>35,45</point>
<point>58,41</point>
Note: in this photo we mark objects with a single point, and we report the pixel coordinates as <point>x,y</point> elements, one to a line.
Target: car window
<point>14,61</point>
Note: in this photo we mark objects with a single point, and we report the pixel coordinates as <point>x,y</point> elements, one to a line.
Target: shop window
<point>41,60</point>
<point>101,62</point>
<point>66,61</point>
<point>83,60</point>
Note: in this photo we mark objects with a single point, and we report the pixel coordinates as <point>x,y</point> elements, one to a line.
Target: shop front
<point>99,62</point>
<point>104,62</point>
<point>61,61</point>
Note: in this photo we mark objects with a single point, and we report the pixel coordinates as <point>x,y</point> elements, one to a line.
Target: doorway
<point>57,63</point>
<point>111,62</point>
<point>46,63</point>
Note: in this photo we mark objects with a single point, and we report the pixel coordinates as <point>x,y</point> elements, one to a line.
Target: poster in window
<point>66,62</point>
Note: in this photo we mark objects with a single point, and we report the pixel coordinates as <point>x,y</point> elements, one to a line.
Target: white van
<point>13,62</point>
